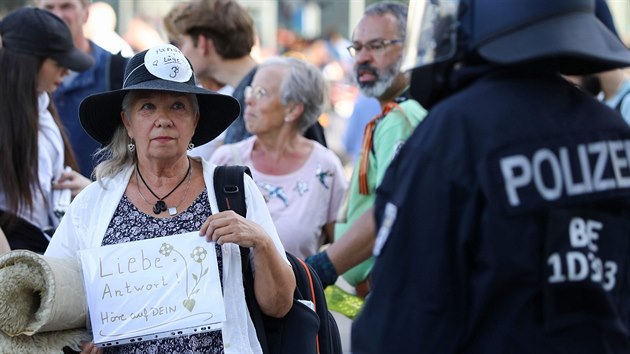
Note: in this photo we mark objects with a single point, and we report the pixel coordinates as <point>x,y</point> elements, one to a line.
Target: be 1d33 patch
<point>585,269</point>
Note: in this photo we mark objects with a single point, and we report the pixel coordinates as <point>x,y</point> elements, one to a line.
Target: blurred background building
<point>307,18</point>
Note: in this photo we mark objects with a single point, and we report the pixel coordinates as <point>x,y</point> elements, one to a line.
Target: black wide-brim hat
<point>161,68</point>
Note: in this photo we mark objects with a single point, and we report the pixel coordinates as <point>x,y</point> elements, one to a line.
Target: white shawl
<point>86,221</point>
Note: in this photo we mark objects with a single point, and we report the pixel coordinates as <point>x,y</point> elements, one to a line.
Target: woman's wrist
<point>262,244</point>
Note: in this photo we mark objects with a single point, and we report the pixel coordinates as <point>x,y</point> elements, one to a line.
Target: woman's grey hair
<point>388,7</point>
<point>115,156</point>
<point>303,83</point>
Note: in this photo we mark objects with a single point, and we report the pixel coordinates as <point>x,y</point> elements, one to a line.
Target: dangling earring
<point>131,146</point>
<point>287,120</point>
<point>191,145</point>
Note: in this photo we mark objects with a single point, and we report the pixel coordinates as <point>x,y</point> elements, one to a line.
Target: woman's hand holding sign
<point>229,227</point>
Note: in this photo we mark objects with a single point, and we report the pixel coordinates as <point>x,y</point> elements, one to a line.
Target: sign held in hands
<point>154,288</point>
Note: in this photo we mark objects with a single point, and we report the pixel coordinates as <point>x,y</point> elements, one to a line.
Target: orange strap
<point>366,147</point>
<point>310,279</point>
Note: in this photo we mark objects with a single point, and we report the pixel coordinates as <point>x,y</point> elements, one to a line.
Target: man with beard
<point>377,45</point>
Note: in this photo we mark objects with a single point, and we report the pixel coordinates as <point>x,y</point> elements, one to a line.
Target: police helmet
<point>564,34</point>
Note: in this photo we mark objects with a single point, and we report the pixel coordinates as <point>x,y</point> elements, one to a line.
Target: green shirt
<point>389,135</point>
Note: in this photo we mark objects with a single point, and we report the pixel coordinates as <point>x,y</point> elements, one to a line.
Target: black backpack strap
<point>229,188</point>
<point>250,298</point>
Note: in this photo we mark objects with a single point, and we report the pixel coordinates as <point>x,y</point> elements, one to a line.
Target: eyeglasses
<point>375,46</point>
<point>256,92</point>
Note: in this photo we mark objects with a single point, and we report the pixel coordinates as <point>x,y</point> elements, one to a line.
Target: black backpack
<point>302,330</point>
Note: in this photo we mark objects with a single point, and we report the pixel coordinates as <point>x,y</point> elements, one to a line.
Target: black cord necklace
<point>160,205</point>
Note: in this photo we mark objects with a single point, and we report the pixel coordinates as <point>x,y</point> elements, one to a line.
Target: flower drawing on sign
<point>166,249</point>
<point>198,255</point>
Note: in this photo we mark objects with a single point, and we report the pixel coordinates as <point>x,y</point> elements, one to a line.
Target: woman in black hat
<point>148,187</point>
<point>36,52</point>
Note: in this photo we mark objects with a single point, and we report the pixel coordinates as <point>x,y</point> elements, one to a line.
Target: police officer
<point>503,223</point>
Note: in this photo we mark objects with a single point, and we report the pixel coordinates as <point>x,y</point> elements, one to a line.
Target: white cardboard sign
<point>154,288</point>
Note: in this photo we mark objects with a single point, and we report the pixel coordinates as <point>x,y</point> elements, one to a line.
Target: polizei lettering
<point>567,170</point>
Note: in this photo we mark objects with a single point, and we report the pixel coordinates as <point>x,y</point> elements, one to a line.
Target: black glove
<point>324,268</point>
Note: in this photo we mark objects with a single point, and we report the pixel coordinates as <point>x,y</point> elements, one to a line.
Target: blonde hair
<point>115,156</point>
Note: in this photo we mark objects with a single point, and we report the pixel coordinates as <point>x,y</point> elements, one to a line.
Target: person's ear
<point>200,42</point>
<point>125,121</point>
<point>293,112</point>
<point>86,14</point>
<point>208,45</point>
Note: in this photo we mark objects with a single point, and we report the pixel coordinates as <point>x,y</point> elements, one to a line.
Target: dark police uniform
<point>503,226</point>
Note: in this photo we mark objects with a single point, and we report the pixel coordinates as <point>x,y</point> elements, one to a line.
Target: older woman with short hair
<point>302,181</point>
<point>148,187</point>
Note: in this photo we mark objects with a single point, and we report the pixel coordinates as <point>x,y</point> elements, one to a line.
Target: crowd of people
<point>487,209</point>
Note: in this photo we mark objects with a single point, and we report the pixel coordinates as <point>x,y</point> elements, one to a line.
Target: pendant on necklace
<point>159,207</point>
<point>172,211</point>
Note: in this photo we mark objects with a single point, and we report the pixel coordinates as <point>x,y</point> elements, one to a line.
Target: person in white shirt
<point>147,187</point>
<point>36,53</point>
